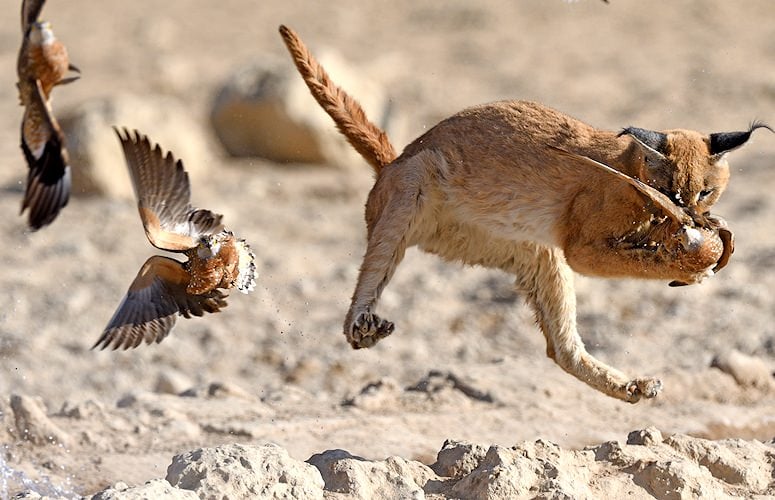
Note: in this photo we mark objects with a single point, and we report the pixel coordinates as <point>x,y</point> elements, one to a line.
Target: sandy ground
<point>282,369</point>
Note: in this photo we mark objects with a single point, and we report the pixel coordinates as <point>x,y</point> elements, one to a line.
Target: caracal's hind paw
<point>642,388</point>
<point>368,329</point>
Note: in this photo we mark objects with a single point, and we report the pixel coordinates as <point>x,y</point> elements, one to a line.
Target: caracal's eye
<point>704,194</point>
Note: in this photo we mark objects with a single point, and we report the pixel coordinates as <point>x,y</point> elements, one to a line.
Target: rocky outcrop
<point>237,471</point>
<point>646,466</point>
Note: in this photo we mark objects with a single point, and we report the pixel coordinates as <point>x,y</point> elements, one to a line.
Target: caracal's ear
<point>654,142</point>
<point>722,143</point>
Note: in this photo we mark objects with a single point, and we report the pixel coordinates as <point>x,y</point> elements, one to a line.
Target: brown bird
<point>42,64</point>
<point>165,287</point>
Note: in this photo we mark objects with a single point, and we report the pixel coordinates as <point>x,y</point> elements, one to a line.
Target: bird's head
<point>41,33</point>
<point>209,246</point>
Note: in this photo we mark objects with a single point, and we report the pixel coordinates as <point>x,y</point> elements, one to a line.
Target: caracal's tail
<point>368,139</point>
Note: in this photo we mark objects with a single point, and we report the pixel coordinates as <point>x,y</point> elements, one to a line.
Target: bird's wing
<point>148,311</point>
<point>48,179</point>
<point>163,196</point>
<point>659,199</point>
<point>30,13</point>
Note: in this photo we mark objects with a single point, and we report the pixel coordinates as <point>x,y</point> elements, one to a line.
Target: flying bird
<point>42,64</point>
<point>166,287</point>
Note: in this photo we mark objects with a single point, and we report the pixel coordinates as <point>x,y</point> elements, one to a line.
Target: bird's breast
<point>49,64</point>
<point>218,271</point>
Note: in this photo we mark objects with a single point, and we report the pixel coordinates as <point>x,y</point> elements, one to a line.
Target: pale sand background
<point>660,64</point>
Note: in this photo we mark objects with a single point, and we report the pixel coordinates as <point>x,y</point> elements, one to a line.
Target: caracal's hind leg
<point>392,211</point>
<point>546,278</point>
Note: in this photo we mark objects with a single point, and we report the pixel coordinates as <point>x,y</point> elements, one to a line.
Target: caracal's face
<point>687,172</point>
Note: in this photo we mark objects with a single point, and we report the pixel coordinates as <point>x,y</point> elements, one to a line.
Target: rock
<point>95,153</point>
<point>438,381</point>
<point>733,461</point>
<point>456,459</point>
<point>383,393</point>
<point>503,473</point>
<point>241,471</point>
<point>172,382</point>
<point>681,479</point>
<point>748,371</point>
<point>82,410</point>
<point>391,478</point>
<point>675,467</point>
<point>266,110</point>
<point>7,422</point>
<point>645,437</point>
<point>218,390</point>
<point>32,423</point>
<point>157,488</point>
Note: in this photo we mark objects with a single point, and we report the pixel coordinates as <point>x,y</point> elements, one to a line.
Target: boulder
<point>391,478</point>
<point>243,471</point>
<point>157,488</point>
<point>96,157</point>
<point>32,423</point>
<point>748,371</point>
<point>266,110</point>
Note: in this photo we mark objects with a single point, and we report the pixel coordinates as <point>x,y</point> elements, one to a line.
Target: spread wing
<point>30,13</point>
<point>163,196</point>
<point>659,199</point>
<point>48,179</point>
<point>148,311</point>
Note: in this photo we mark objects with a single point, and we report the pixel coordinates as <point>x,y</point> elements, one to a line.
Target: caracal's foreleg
<point>547,280</point>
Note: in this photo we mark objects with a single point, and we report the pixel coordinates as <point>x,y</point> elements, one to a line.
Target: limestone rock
<point>501,474</point>
<point>648,466</point>
<point>748,371</point>
<point>677,479</point>
<point>457,459</point>
<point>391,478</point>
<point>241,471</point>
<point>645,437</point>
<point>733,461</point>
<point>172,382</point>
<point>266,110</point>
<point>96,155</point>
<point>158,488</point>
<point>32,423</point>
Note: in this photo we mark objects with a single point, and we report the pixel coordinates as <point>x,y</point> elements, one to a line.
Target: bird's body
<point>42,64</point>
<point>164,287</point>
<point>42,57</point>
<point>214,263</point>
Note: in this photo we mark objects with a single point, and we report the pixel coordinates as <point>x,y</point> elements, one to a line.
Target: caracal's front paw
<point>367,330</point>
<point>642,388</point>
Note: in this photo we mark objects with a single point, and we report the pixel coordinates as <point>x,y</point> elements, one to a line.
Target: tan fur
<point>489,186</point>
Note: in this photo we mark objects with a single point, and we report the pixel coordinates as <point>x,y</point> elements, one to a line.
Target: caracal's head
<point>688,167</point>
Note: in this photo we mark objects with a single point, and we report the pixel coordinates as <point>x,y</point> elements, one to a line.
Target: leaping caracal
<point>521,187</point>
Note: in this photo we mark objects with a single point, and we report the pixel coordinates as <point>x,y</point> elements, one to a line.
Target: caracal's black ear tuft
<point>724,142</point>
<point>655,141</point>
